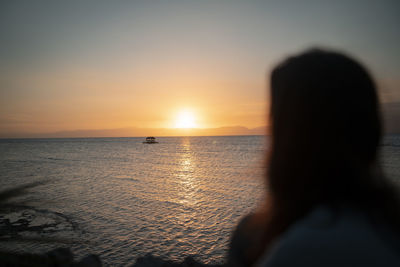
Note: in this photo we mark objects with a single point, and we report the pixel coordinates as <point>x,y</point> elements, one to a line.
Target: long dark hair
<point>326,130</point>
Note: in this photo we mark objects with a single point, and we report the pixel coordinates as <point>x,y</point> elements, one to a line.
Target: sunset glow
<point>185,120</point>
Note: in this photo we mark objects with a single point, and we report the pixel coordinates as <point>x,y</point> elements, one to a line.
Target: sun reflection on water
<point>185,175</point>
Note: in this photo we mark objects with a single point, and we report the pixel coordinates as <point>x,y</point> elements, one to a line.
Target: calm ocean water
<point>122,199</point>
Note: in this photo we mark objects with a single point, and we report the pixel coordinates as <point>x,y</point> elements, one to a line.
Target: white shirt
<point>324,238</point>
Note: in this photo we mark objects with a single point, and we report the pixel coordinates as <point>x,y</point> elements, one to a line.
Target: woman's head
<point>326,130</point>
<point>325,127</point>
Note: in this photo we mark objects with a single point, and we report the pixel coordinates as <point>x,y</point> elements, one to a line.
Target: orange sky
<point>79,99</point>
<point>79,66</point>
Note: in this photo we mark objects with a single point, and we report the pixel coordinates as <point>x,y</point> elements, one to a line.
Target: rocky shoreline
<point>64,257</point>
<point>25,223</point>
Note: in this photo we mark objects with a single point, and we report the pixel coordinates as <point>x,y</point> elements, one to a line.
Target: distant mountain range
<point>141,132</point>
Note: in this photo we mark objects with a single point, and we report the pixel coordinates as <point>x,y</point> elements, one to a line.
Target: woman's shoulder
<point>325,237</point>
<point>247,236</point>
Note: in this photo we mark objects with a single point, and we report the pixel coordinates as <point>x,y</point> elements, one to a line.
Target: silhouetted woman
<point>328,203</point>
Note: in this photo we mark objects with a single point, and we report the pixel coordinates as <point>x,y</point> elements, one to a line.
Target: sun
<point>185,120</point>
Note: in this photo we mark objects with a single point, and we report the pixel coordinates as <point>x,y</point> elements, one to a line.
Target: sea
<point>122,199</point>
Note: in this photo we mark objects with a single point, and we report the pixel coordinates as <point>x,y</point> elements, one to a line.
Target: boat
<point>150,140</point>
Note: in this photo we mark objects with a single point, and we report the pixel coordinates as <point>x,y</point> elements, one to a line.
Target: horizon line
<point>128,132</point>
<point>102,137</point>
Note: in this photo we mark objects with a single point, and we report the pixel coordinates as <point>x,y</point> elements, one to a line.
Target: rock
<point>61,256</point>
<point>89,261</point>
<point>153,261</point>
